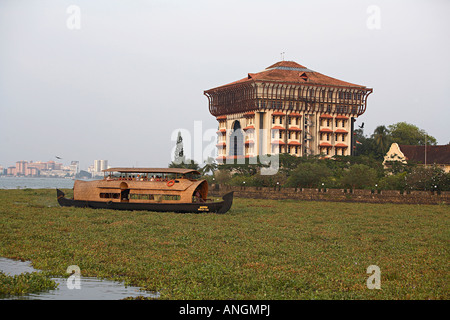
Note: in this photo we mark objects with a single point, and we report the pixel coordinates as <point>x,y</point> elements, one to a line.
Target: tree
<point>364,145</point>
<point>428,178</point>
<point>210,166</point>
<point>359,176</point>
<point>382,140</point>
<point>408,134</point>
<point>308,174</point>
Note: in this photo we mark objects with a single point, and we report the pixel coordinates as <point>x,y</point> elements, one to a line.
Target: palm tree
<point>381,137</point>
<point>210,166</point>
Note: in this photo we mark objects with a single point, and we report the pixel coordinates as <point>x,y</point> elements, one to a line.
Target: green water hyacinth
<point>25,283</point>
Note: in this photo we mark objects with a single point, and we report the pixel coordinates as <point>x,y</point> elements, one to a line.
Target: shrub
<point>359,176</point>
<point>308,175</point>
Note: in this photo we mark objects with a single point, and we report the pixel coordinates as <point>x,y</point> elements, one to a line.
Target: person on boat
<point>198,197</point>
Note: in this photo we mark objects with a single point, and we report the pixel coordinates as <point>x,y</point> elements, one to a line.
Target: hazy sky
<point>135,71</point>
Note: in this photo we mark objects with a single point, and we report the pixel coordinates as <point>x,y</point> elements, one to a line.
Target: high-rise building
<point>99,166</point>
<point>286,108</point>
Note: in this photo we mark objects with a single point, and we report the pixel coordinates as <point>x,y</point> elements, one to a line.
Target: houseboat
<point>152,189</point>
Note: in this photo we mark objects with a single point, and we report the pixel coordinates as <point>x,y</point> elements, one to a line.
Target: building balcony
<point>249,142</point>
<point>325,145</point>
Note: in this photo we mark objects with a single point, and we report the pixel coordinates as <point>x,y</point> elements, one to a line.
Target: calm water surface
<point>90,288</point>
<point>35,183</point>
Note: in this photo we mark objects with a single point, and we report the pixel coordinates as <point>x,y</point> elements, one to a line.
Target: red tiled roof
<point>339,117</point>
<point>325,130</point>
<point>249,142</point>
<point>278,128</point>
<point>290,71</point>
<point>289,64</point>
<point>294,114</point>
<point>221,118</point>
<point>248,128</point>
<point>222,130</point>
<point>294,143</point>
<point>340,131</point>
<point>278,142</point>
<point>340,145</point>
<point>278,113</point>
<point>294,129</point>
<point>326,116</point>
<point>435,154</point>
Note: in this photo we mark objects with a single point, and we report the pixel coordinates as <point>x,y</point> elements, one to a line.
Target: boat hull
<point>214,207</point>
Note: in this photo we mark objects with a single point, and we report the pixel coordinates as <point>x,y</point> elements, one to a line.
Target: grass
<point>260,249</point>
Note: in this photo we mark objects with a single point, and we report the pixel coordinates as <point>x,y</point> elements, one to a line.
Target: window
<point>137,196</point>
<point>281,120</point>
<point>273,119</point>
<point>280,134</point>
<point>158,197</point>
<point>110,195</point>
<point>330,94</point>
<point>171,197</point>
<point>328,122</point>
<point>289,120</point>
<point>328,137</point>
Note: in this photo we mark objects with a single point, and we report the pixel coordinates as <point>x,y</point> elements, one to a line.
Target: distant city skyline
<point>117,80</point>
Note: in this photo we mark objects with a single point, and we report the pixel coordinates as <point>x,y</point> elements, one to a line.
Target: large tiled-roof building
<point>286,108</point>
<point>421,155</point>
